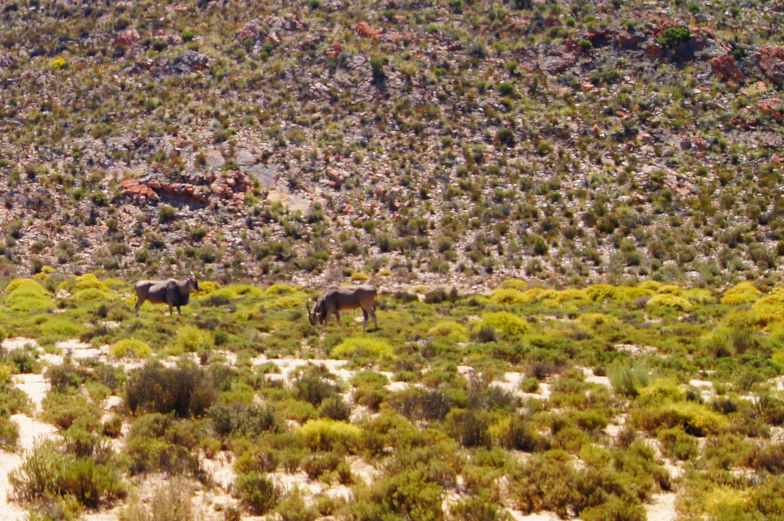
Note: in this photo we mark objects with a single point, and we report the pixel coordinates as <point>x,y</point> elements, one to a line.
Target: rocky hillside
<point>432,142</point>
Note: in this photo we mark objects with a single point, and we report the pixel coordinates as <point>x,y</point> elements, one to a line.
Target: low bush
<point>678,445</point>
<point>420,404</point>
<point>170,502</point>
<point>407,495</point>
<point>49,471</point>
<point>256,491</point>
<point>27,295</point>
<point>517,432</point>
<point>130,347</point>
<point>628,381</point>
<point>451,330</point>
<point>9,431</point>
<point>369,389</point>
<point>186,390</point>
<point>191,339</point>
<point>313,385</point>
<point>326,434</point>
<point>742,293</point>
<point>666,303</point>
<point>328,467</point>
<point>245,419</point>
<point>505,324</point>
<point>336,408</point>
<point>363,346</point>
<point>65,410</point>
<point>694,418</point>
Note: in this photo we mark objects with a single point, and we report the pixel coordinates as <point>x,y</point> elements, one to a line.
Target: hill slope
<point>426,141</point>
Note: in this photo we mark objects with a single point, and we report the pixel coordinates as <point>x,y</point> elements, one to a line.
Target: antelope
<point>344,297</point>
<point>173,292</point>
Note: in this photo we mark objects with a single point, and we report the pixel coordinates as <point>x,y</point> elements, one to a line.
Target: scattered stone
<point>556,61</point>
<point>126,38</point>
<point>755,89</point>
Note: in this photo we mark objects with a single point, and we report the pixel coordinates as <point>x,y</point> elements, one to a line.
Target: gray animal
<point>173,292</point>
<point>344,297</point>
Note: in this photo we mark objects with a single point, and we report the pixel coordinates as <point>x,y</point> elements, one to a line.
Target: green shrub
<point>742,293</point>
<point>364,346</point>
<point>256,491</point>
<point>280,289</point>
<point>27,295</point>
<point>477,509</point>
<point>628,381</point>
<point>313,385</point>
<point>328,467</point>
<point>659,304</point>
<point>48,471</point>
<point>674,36</point>
<point>420,404</point>
<point>407,495</point>
<point>451,330</point>
<point>677,444</point>
<point>508,297</point>
<point>694,418</point>
<point>192,339</point>
<point>9,432</point>
<point>245,419</point>
<point>61,327</point>
<point>134,346</point>
<point>170,502</point>
<point>186,390</point>
<point>505,324</point>
<point>327,434</point>
<point>65,410</point>
<point>336,408</point>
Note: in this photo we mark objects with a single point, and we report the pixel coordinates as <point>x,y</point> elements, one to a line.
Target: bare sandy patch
<point>10,511</point>
<point>19,342</point>
<point>34,385</point>
<point>537,516</point>
<point>661,507</point>
<point>80,350</point>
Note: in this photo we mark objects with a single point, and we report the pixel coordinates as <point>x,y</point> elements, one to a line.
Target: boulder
<point>365,30</point>
<point>726,68</point>
<point>214,159</point>
<point>771,61</point>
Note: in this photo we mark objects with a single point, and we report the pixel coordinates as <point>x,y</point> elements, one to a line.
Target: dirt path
<point>30,431</point>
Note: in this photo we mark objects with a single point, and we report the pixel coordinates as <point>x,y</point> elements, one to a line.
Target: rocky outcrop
<point>726,68</point>
<point>365,30</point>
<point>126,38</point>
<point>771,61</point>
<point>224,188</point>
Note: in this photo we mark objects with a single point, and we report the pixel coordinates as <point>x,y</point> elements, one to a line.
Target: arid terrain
<point>429,142</point>
<point>572,210</point>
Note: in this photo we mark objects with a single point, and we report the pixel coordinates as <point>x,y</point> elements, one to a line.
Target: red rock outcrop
<point>365,30</point>
<point>771,61</point>
<point>126,38</point>
<point>726,68</point>
<point>226,188</point>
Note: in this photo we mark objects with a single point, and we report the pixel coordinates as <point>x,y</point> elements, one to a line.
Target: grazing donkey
<point>173,292</point>
<point>344,297</point>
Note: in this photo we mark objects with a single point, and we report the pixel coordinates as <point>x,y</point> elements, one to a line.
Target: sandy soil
<point>662,507</point>
<point>209,504</point>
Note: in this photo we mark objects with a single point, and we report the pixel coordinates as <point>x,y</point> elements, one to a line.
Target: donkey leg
<point>364,322</point>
